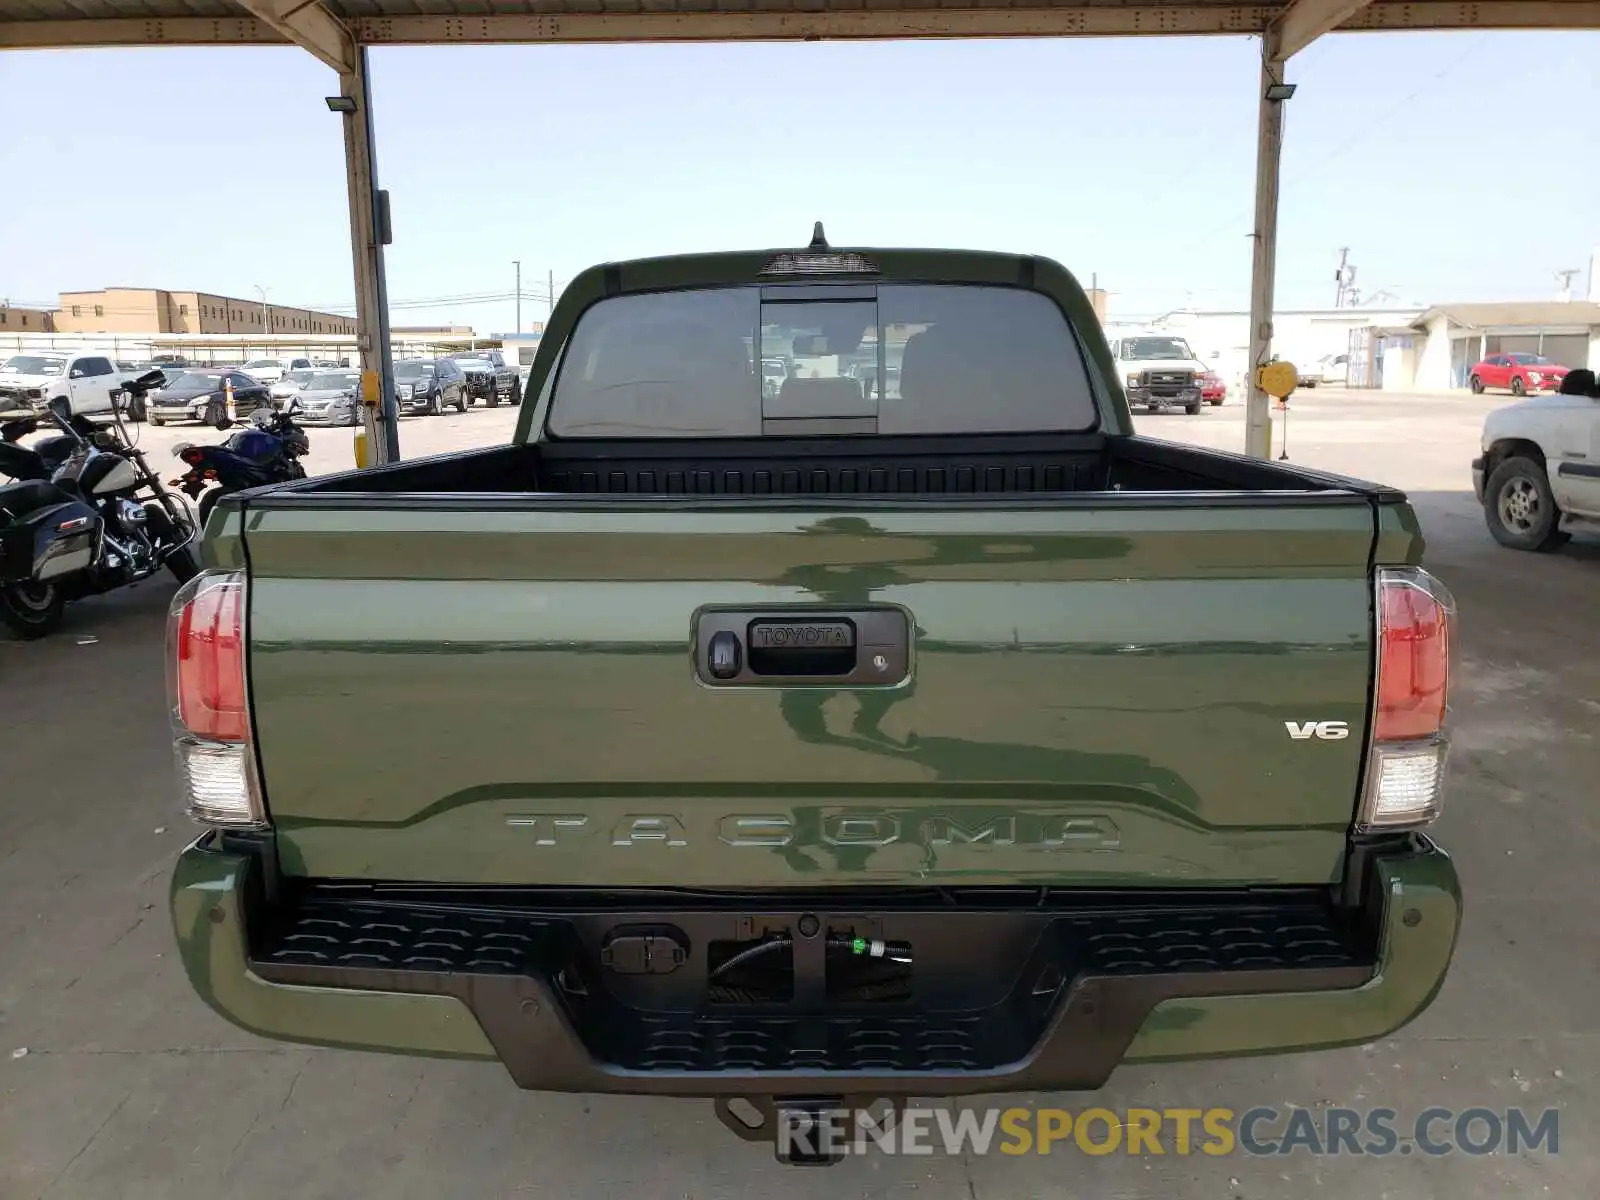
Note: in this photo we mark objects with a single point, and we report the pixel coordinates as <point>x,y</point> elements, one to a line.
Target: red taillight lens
<point>1404,787</point>
<point>208,703</point>
<point>208,661</point>
<point>1415,615</point>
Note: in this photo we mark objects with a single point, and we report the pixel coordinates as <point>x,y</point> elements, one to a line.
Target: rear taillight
<point>208,701</point>
<point>1405,767</point>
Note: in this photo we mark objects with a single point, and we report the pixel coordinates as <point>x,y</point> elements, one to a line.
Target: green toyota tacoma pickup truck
<point>837,744</point>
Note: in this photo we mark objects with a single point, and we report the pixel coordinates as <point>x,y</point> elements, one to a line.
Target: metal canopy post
<point>367,236</point>
<point>1269,150</point>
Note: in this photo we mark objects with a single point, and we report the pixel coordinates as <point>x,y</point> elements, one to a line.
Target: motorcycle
<point>85,515</point>
<point>268,451</point>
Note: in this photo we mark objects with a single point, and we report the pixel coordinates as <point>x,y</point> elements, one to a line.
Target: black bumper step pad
<point>1000,998</point>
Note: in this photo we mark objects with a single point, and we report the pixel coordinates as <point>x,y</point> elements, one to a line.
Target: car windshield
<point>257,363</point>
<point>300,376</point>
<point>342,381</point>
<point>960,359</point>
<point>413,370</point>
<point>474,364</point>
<point>1531,360</point>
<point>1155,347</point>
<point>27,364</point>
<point>197,381</point>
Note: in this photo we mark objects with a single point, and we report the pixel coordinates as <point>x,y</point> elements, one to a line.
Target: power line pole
<point>517,262</point>
<point>549,293</point>
<point>1566,277</point>
<point>1339,279</point>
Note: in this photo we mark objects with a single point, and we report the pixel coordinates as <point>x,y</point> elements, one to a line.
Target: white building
<point>1417,348</point>
<point>1451,337</point>
<point>519,348</point>
<point>1303,336</point>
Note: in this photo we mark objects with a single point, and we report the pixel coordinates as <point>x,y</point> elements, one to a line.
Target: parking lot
<point>115,1081</point>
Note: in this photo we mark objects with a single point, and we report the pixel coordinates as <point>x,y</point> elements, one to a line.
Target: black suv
<point>429,385</point>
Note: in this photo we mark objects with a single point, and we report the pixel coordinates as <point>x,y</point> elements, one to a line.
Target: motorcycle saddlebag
<point>49,542</point>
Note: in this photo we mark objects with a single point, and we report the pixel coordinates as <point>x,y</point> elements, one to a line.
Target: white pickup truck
<point>1539,476</point>
<point>89,379</point>
<point>1159,369</point>
<point>271,370</point>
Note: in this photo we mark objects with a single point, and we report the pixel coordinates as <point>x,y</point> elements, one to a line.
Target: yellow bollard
<point>370,397</point>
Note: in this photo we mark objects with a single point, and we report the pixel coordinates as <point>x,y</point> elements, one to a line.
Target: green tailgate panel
<point>1098,697</point>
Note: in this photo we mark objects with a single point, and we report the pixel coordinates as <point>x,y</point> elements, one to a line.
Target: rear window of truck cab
<point>888,359</point>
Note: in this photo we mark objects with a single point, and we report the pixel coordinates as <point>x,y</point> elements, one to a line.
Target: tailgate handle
<point>796,646</point>
<point>858,647</point>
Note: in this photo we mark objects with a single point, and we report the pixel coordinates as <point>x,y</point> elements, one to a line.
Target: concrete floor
<point>130,1088</point>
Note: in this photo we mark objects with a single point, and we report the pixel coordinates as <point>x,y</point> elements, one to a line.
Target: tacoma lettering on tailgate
<point>1045,831</point>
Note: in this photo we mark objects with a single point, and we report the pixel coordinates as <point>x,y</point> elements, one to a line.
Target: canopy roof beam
<point>1304,21</point>
<point>308,24</point>
<point>327,31</point>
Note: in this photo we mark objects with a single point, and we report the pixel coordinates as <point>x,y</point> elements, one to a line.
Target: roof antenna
<point>819,240</point>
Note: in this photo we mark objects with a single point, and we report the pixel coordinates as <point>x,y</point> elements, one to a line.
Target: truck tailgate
<point>502,691</point>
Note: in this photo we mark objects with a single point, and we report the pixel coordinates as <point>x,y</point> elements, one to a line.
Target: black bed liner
<point>985,465</point>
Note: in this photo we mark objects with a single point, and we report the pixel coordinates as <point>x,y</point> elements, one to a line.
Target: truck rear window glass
<point>724,362</point>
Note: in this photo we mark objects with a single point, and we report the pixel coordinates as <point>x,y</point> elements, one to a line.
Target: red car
<point>1212,390</point>
<point>1519,371</point>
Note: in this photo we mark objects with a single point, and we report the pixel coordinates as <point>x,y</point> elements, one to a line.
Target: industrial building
<point>1449,338</point>
<point>1419,348</point>
<point>154,310</point>
<point>25,320</point>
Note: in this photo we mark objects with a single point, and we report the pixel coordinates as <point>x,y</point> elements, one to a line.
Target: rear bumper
<point>1090,987</point>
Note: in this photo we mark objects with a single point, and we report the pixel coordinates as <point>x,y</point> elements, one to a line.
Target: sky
<point>1454,166</point>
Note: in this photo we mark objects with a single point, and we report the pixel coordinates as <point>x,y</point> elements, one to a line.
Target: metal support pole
<point>366,243</point>
<point>1269,149</point>
<point>517,262</point>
